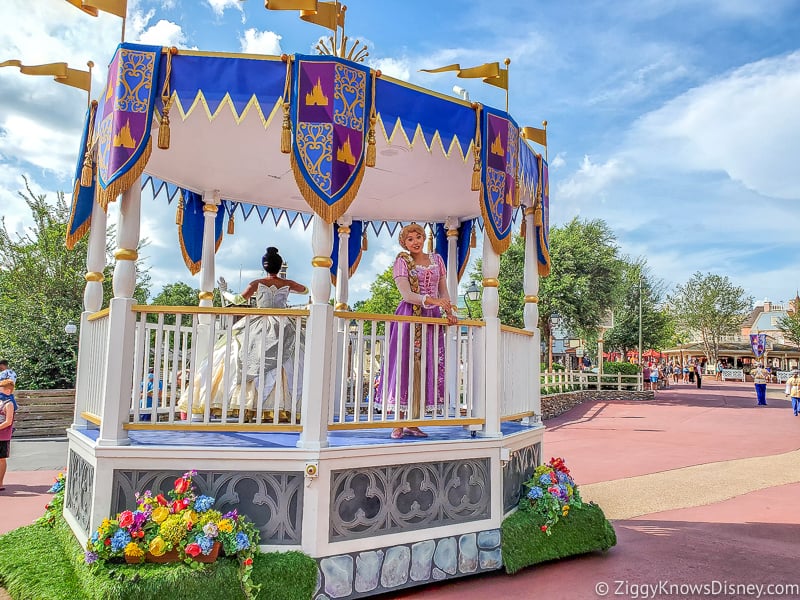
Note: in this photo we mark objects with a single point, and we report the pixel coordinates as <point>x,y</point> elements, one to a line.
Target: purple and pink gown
<point>433,341</point>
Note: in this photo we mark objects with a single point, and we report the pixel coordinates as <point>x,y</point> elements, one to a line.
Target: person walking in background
<point>718,375</point>
<point>793,389</point>
<point>692,370</point>
<point>6,372</point>
<point>698,373</point>
<point>760,381</point>
<point>7,410</point>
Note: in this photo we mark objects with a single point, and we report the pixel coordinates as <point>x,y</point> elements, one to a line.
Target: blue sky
<point>676,121</point>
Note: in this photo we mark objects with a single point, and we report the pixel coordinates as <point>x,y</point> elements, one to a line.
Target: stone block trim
<point>557,404</point>
<point>377,571</point>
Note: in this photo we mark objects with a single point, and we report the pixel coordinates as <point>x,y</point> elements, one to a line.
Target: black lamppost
<point>471,294</point>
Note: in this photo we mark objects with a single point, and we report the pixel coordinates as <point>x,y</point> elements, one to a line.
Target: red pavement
<point>748,539</point>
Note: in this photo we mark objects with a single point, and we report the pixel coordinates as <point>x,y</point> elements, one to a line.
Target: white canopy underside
<point>243,161</point>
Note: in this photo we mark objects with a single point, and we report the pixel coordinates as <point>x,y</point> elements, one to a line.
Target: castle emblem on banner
<point>758,343</point>
<point>499,194</point>
<point>330,118</point>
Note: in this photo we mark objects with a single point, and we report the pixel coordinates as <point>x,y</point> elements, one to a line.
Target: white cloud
<point>592,179</point>
<point>260,42</point>
<point>745,124</point>
<point>397,68</point>
<point>164,33</point>
<point>558,161</point>
<point>220,6</point>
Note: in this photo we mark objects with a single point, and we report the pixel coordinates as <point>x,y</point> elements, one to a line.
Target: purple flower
<point>90,557</point>
<point>233,515</point>
<point>139,519</point>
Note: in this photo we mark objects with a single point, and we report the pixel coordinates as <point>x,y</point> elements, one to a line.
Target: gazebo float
<point>302,447</point>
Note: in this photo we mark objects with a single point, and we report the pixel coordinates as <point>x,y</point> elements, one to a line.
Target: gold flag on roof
<point>534,134</point>
<point>491,73</point>
<point>59,71</point>
<point>93,7</point>
<point>326,14</point>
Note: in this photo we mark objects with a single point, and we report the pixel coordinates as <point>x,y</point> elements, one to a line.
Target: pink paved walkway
<point>748,539</point>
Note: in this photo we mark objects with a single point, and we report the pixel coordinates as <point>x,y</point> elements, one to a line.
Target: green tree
<point>41,290</point>
<point>581,287</point>
<point>657,326</point>
<point>790,327</point>
<point>384,296</point>
<point>178,294</point>
<point>710,306</point>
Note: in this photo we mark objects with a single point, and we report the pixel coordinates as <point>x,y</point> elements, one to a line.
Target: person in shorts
<point>7,408</point>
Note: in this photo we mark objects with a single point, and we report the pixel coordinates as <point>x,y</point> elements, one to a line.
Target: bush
<point>525,544</point>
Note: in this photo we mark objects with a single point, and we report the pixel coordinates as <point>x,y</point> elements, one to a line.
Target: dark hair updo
<point>272,261</point>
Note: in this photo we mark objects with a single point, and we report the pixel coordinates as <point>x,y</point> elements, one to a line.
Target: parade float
<point>328,143</point>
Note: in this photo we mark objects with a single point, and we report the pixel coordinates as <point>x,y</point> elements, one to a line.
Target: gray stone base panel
<point>377,571</point>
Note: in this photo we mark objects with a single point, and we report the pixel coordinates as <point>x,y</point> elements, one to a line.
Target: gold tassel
<point>371,151</point>
<point>286,132</point>
<point>430,242</point>
<point>166,99</point>
<point>179,212</point>
<point>364,243</point>
<point>476,171</point>
<point>473,239</point>
<point>523,230</point>
<point>163,129</point>
<point>87,171</point>
<point>231,227</point>
<point>537,216</point>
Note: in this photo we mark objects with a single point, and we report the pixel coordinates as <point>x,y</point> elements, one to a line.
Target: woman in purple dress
<point>421,280</point>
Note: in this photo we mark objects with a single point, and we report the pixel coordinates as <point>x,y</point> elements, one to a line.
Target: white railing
<point>374,369</point>
<point>782,376</point>
<point>557,382</point>
<point>217,366</point>
<point>732,374</point>
<point>89,390</point>
<point>517,387</point>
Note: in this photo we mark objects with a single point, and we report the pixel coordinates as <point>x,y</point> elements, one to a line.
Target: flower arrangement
<point>55,507</point>
<point>181,526</point>
<point>551,493</point>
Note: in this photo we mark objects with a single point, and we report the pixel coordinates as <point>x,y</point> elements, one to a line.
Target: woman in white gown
<point>257,344</point>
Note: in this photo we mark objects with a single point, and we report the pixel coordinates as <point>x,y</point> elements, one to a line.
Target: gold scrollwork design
<point>316,140</point>
<point>350,97</point>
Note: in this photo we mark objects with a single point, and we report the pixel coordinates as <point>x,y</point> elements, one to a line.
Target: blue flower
<point>545,479</point>
<point>206,544</point>
<point>119,540</point>
<point>242,543</point>
<point>95,537</point>
<point>203,503</point>
<point>56,487</point>
<point>535,493</point>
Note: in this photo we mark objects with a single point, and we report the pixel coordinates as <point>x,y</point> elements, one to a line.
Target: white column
<point>491,305</point>
<point>531,311</point>
<point>211,205</point>
<point>452,224</point>
<point>319,342</point>
<point>343,263</point>
<point>122,322</point>
<point>95,261</point>
<point>342,292</point>
<point>206,296</point>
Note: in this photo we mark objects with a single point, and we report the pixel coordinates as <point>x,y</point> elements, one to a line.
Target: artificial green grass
<point>586,529</point>
<point>42,563</point>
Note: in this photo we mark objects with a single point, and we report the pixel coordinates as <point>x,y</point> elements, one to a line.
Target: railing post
<point>619,381</point>
<point>452,225</point>
<point>121,323</point>
<point>317,368</point>
<point>211,204</point>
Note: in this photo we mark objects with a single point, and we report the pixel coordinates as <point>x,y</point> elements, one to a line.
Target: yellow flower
<point>225,526</point>
<point>190,517</point>
<point>157,547</point>
<point>159,514</point>
<point>133,550</point>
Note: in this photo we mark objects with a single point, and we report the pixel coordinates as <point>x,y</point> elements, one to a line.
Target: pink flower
<point>125,519</point>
